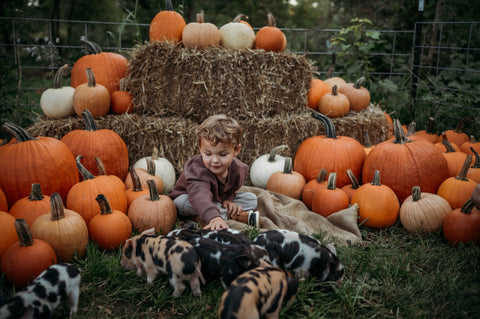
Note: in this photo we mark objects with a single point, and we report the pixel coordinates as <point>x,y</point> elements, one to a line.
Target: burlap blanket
<point>278,211</point>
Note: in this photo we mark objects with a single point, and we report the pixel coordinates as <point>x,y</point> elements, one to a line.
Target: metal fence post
<point>417,34</point>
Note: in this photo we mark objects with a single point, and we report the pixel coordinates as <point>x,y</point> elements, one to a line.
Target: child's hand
<point>232,208</point>
<point>216,223</point>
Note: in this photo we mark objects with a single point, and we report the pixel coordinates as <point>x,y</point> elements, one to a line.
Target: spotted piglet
<point>226,261</point>
<point>167,255</point>
<point>258,292</point>
<point>225,236</point>
<point>39,299</point>
<point>303,255</point>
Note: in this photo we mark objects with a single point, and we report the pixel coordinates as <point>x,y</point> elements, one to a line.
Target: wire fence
<point>442,59</point>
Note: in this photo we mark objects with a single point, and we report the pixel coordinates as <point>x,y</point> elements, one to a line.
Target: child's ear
<point>237,149</point>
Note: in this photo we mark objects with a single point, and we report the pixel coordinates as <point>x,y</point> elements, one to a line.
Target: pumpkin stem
<point>123,85</point>
<point>201,17</point>
<point>274,151</point>
<point>332,181</point>
<point>152,187</point>
<point>17,132</point>
<point>334,90</point>
<point>23,232</point>
<point>326,121</point>
<point>104,205</point>
<point>89,121</point>
<point>376,178</point>
<point>36,192</point>
<point>416,193</point>
<point>57,79</point>
<point>477,158</point>
<point>447,144</point>
<point>466,166</point>
<point>287,167</point>
<point>168,5</point>
<point>56,204</point>
<point>137,184</point>
<point>271,20</point>
<point>90,46</point>
<point>368,143</point>
<point>154,153</point>
<point>431,126</point>
<point>353,179</point>
<point>322,176</point>
<point>150,166</point>
<point>462,122</point>
<point>400,136</point>
<point>100,166</point>
<point>239,17</point>
<point>83,171</point>
<point>411,128</point>
<point>358,84</point>
<point>467,206</point>
<point>90,78</point>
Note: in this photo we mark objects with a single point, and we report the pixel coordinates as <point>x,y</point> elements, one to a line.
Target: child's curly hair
<point>220,128</point>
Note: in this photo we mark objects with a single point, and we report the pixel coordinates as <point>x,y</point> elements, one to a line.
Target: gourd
<point>423,212</point>
<point>64,229</point>
<point>153,211</point>
<point>456,190</point>
<point>93,142</point>
<point>7,229</point>
<point>26,258</point>
<point>110,228</point>
<point>57,102</point>
<point>43,160</point>
<point>200,34</point>
<point>270,38</point>
<point>335,154</point>
<point>334,104</point>
<point>121,100</point>
<point>32,206</point>
<point>404,164</point>
<point>287,182</point>
<point>144,175</point>
<point>358,95</point>
<point>237,34</point>
<point>330,199</point>
<point>265,165</point>
<point>108,67</point>
<point>461,225</point>
<point>163,168</point>
<point>167,25</point>
<point>91,96</point>
<point>378,205</point>
<point>317,89</point>
<point>313,186</point>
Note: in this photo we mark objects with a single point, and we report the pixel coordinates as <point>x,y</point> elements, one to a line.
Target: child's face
<point>218,158</point>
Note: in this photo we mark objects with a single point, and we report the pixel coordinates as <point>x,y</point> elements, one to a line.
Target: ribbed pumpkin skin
<point>462,225</point>
<point>7,229</point>
<point>3,201</point>
<point>456,191</point>
<point>160,214</point>
<point>403,166</point>
<point>44,160</point>
<point>29,208</point>
<point>318,88</point>
<point>167,25</point>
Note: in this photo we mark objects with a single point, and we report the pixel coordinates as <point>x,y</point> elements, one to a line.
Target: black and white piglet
<point>226,261</point>
<point>58,283</point>
<point>303,255</point>
<point>156,254</point>
<point>225,236</point>
<point>258,292</point>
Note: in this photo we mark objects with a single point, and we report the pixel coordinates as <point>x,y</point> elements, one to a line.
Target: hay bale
<point>169,80</point>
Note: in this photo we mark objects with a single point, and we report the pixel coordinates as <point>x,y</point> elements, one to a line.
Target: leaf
<point>388,85</point>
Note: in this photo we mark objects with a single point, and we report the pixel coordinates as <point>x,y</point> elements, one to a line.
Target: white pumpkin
<point>163,168</point>
<point>266,165</point>
<point>237,35</point>
<point>57,102</point>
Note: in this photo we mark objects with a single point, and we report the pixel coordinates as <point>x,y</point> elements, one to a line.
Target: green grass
<point>393,274</point>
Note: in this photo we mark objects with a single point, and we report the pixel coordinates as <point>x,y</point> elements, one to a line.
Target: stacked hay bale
<point>174,89</point>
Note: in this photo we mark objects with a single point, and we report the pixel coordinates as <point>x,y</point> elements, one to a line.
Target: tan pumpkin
<point>334,104</point>
<point>335,80</point>
<point>288,182</point>
<point>358,95</point>
<point>91,96</point>
<point>237,34</point>
<point>423,212</point>
<point>200,34</point>
<point>64,229</point>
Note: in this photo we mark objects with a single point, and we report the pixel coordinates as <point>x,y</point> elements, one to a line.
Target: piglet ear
<point>150,231</point>
<point>332,249</point>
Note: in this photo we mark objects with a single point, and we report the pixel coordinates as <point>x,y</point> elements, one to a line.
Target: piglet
<point>167,255</point>
<point>303,255</point>
<point>258,292</point>
<point>225,236</point>
<point>39,299</point>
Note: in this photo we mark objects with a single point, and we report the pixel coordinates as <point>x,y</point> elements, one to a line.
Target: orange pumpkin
<point>456,190</point>
<point>136,190</point>
<point>153,211</point>
<point>144,175</point>
<point>335,154</point>
<point>474,170</point>
<point>455,159</point>
<point>121,100</point>
<point>456,136</point>
<point>358,95</point>
<point>334,104</point>
<point>317,89</point>
<point>462,225</point>
<point>29,208</point>
<point>167,25</point>
<point>7,229</point>
<point>404,164</point>
<point>3,201</point>
<point>330,199</point>
<point>378,206</point>
<point>104,143</point>
<point>270,38</point>
<point>91,96</point>
<point>313,186</point>
<point>27,258</point>
<point>350,189</point>
<point>108,67</point>
<point>288,182</point>
<point>110,228</point>
<point>472,143</point>
<point>441,145</point>
<point>43,160</point>
<point>200,34</point>
<point>368,145</point>
<point>429,133</point>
